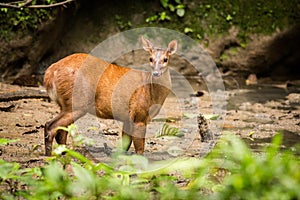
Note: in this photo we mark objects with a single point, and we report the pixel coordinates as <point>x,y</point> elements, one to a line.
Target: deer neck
<point>159,87</point>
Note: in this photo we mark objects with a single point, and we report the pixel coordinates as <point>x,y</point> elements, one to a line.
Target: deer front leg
<point>138,137</point>
<point>126,136</point>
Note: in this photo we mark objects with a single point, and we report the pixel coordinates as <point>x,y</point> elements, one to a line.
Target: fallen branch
<point>23,94</point>
<point>26,4</point>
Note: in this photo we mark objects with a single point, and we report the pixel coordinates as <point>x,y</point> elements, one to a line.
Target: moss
<point>208,17</point>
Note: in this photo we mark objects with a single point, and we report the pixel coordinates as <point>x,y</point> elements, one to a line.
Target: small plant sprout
<point>167,130</point>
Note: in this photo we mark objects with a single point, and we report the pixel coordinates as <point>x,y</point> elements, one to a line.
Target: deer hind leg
<point>63,119</point>
<point>61,137</point>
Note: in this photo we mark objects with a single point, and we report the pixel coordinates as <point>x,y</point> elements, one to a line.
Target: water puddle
<point>264,110</point>
<point>290,141</point>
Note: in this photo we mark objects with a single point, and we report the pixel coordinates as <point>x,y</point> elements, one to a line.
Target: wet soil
<point>259,112</point>
<point>255,113</point>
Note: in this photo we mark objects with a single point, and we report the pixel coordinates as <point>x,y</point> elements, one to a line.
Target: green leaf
<point>212,117</point>
<point>79,156</point>
<point>180,6</point>
<point>4,10</point>
<point>169,131</point>
<point>134,163</point>
<point>208,6</point>
<point>171,7</point>
<point>180,12</point>
<point>152,18</point>
<point>127,168</point>
<point>164,16</point>
<point>60,149</point>
<point>189,115</point>
<point>228,18</point>
<point>85,179</point>
<point>104,167</point>
<point>54,173</point>
<point>199,36</point>
<point>250,135</point>
<point>188,30</point>
<point>164,3</point>
<point>7,170</point>
<point>4,141</point>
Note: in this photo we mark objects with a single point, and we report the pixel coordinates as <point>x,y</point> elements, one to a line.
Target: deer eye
<point>165,60</point>
<point>151,59</point>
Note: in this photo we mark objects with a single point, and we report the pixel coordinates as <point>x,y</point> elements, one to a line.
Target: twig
<point>4,5</point>
<point>27,2</point>
<point>51,5</point>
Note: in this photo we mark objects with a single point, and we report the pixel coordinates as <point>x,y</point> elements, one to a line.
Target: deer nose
<point>155,73</point>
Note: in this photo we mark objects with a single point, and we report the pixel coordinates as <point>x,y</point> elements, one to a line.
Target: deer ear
<point>147,45</point>
<point>172,47</point>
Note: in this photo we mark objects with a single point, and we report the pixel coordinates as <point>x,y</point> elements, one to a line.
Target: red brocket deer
<point>81,83</point>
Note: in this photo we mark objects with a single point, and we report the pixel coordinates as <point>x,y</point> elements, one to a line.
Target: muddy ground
<point>256,113</point>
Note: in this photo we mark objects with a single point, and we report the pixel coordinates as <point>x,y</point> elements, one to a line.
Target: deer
<point>81,83</point>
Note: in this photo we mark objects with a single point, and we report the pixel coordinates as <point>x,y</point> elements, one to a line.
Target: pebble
<point>294,98</point>
<point>245,106</point>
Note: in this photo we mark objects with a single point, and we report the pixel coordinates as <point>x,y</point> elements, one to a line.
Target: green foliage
<point>169,7</point>
<point>270,175</point>
<point>122,24</point>
<point>208,17</point>
<point>24,19</point>
<point>231,171</point>
<point>262,16</point>
<point>76,138</point>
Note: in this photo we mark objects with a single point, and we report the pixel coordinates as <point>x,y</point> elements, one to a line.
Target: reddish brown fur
<point>82,84</point>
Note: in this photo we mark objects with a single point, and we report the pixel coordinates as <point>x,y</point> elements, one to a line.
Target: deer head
<point>159,58</point>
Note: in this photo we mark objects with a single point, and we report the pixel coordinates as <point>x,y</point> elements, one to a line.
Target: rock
<point>260,118</point>
<point>245,106</point>
<point>251,80</point>
<point>276,54</point>
<point>204,130</point>
<point>22,55</point>
<point>293,98</point>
